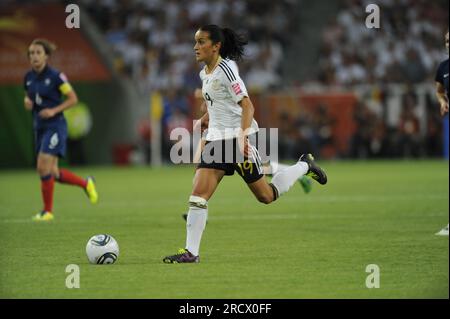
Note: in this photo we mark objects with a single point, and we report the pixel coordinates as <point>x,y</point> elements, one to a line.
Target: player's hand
<point>244,146</point>
<point>28,103</point>
<point>444,108</point>
<point>47,113</point>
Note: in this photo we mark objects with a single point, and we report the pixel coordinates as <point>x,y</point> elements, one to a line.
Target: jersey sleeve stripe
<point>229,70</point>
<point>224,71</point>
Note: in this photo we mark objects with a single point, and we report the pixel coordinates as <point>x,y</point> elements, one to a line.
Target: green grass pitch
<point>302,246</point>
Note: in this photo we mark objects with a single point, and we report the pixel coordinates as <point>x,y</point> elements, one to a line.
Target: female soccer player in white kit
<point>230,127</point>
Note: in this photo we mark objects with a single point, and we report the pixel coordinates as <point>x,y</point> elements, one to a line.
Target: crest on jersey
<point>215,85</point>
<point>236,88</point>
<point>47,81</point>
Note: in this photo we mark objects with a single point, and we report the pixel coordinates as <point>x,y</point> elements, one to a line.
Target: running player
<point>44,87</point>
<point>443,96</point>
<point>231,128</point>
<point>269,169</point>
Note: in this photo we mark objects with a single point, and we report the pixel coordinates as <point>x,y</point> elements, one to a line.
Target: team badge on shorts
<point>54,140</point>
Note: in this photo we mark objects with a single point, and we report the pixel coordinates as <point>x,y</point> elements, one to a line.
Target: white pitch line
<point>225,217</point>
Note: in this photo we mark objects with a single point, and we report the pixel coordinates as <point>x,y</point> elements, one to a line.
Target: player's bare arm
<point>442,98</point>
<point>202,124</point>
<point>27,103</point>
<point>247,116</point>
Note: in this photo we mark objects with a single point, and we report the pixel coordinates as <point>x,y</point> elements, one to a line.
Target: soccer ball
<point>102,249</point>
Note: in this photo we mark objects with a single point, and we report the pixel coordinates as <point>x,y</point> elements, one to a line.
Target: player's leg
<point>205,183</point>
<point>252,172</point>
<point>274,167</point>
<point>54,142</point>
<point>44,166</point>
<point>263,191</point>
<point>283,180</point>
<point>197,157</point>
<point>64,176</point>
<point>443,231</point>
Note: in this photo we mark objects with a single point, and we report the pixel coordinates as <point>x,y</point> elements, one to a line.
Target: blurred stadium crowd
<point>406,48</point>
<point>413,134</point>
<point>152,42</point>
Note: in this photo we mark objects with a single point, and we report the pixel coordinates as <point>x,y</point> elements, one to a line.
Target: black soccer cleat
<point>314,171</point>
<point>183,256</point>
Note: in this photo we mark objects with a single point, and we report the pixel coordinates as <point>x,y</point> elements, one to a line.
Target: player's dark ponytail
<point>232,43</point>
<point>233,47</point>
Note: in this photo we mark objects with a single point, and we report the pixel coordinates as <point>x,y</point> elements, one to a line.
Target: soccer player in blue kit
<point>44,87</point>
<point>442,90</point>
<point>443,96</point>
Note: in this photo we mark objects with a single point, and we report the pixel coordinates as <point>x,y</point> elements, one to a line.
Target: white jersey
<point>223,89</point>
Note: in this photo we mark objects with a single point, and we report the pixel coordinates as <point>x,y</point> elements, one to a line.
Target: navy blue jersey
<point>45,90</point>
<point>442,76</point>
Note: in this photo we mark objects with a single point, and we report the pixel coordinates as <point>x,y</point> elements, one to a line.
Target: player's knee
<point>198,201</point>
<point>43,170</point>
<point>55,171</point>
<point>265,198</point>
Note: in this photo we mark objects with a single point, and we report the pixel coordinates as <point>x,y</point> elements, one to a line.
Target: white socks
<point>283,179</point>
<point>276,167</point>
<point>196,222</point>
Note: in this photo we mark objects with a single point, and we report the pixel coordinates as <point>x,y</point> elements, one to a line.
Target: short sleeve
<point>233,83</point>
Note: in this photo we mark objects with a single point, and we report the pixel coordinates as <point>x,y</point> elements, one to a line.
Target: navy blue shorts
<point>51,141</point>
